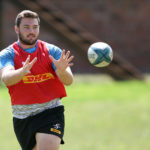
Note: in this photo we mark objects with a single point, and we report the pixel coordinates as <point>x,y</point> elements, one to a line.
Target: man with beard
<point>35,73</point>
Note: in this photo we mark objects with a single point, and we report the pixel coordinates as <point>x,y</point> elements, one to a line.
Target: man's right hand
<point>10,76</point>
<point>28,65</point>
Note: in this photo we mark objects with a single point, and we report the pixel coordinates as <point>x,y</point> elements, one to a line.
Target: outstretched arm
<point>63,67</point>
<point>10,76</point>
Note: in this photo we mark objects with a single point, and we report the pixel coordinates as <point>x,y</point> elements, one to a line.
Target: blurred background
<point>74,25</point>
<point>106,108</point>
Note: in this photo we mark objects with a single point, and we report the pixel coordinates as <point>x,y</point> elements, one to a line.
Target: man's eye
<point>35,27</point>
<point>26,27</point>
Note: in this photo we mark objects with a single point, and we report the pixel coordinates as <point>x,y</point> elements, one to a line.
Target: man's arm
<point>10,76</point>
<point>66,76</point>
<point>63,70</point>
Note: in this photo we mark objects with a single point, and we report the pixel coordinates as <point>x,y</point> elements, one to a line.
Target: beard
<point>27,41</point>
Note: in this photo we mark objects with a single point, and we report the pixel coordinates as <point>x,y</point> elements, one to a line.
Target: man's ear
<point>16,29</point>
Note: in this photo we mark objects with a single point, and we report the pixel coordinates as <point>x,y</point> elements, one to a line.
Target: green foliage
<point>100,115</point>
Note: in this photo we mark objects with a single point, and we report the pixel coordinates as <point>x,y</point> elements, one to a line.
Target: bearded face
<point>28,31</point>
<point>29,39</point>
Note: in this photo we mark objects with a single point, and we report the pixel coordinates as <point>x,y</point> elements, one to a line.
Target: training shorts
<point>50,121</point>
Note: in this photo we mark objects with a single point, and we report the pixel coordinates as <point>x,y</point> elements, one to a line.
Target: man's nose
<point>31,30</point>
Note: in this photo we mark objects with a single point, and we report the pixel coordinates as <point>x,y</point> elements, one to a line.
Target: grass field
<point>101,114</point>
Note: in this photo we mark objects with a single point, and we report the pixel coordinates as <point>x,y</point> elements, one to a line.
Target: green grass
<point>101,114</point>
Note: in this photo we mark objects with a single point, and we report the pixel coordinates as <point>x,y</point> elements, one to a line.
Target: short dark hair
<point>26,14</point>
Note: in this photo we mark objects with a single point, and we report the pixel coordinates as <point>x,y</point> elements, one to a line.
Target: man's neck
<point>24,46</point>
